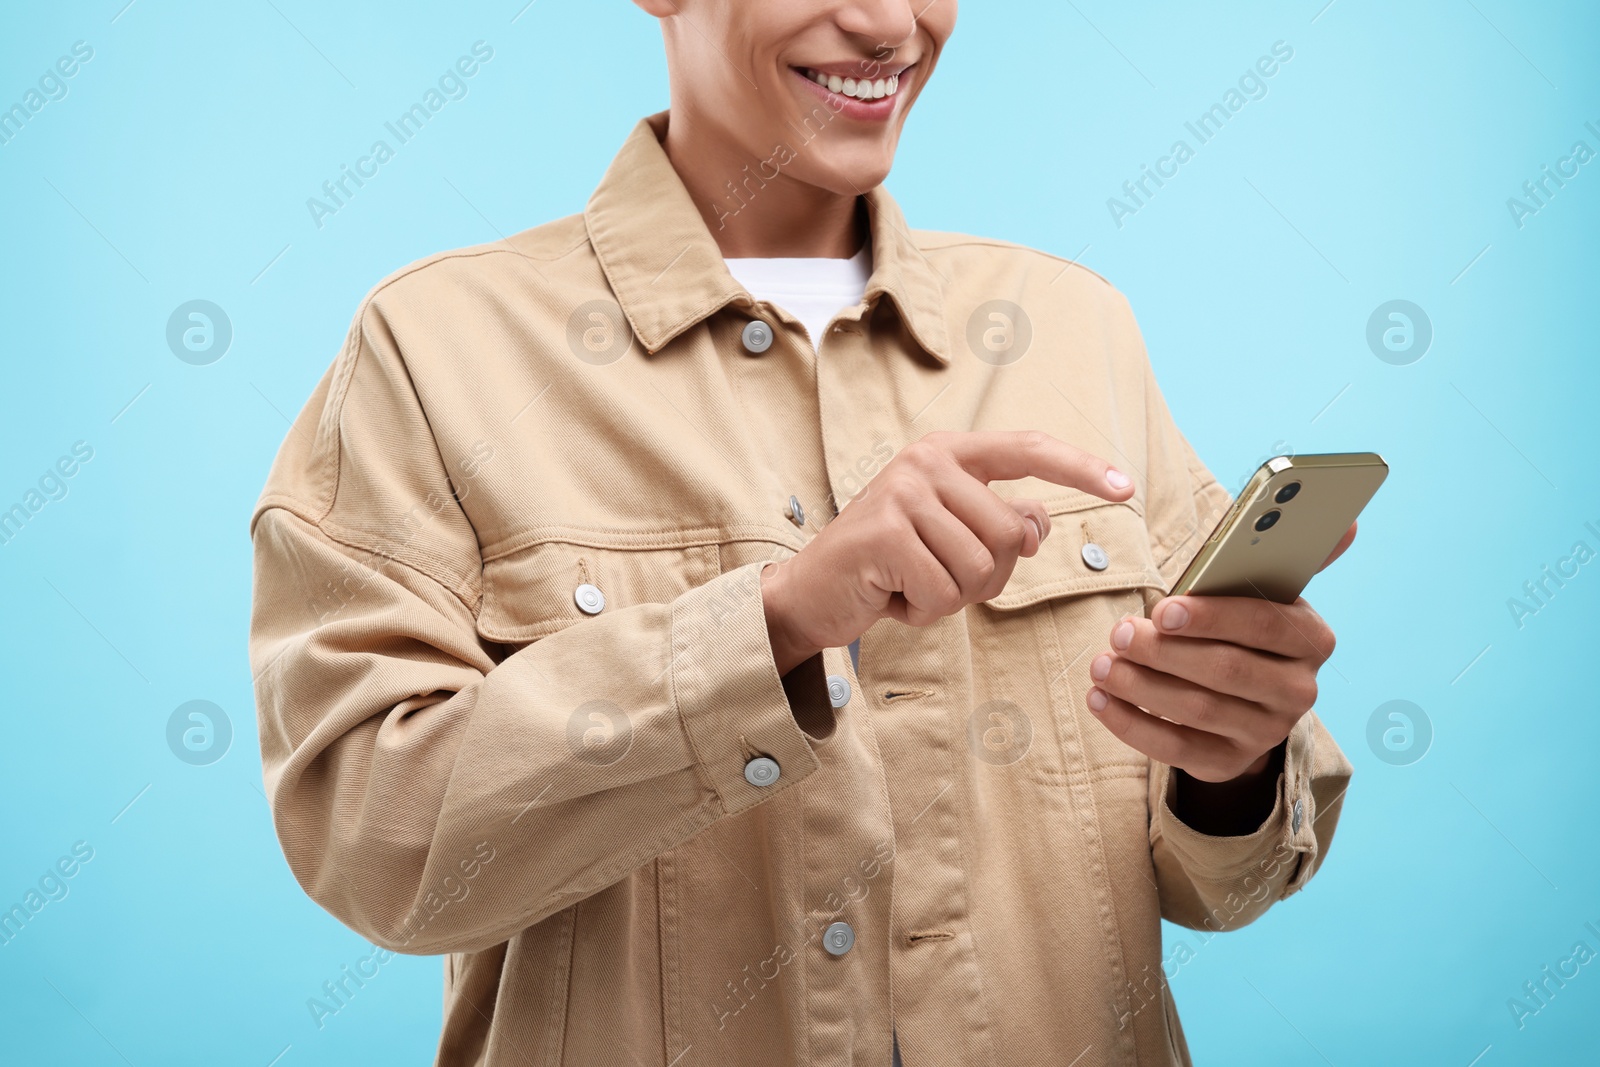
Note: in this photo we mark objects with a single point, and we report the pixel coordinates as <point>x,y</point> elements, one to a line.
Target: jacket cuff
<point>1285,840</point>
<point>727,691</point>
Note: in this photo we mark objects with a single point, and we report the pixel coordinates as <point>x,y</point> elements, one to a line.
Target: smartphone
<point>1283,524</point>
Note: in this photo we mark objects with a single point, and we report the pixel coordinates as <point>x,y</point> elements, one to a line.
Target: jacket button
<point>1095,556</point>
<point>838,938</point>
<point>761,771</point>
<point>838,690</point>
<point>1294,822</point>
<point>589,599</point>
<point>757,336</point>
<point>795,512</point>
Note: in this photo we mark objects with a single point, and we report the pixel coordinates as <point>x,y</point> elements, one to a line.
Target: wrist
<point>789,649</point>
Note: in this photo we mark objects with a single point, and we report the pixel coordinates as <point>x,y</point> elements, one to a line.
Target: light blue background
<point>1377,167</point>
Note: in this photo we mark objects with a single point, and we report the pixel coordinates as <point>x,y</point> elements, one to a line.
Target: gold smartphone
<point>1283,524</point>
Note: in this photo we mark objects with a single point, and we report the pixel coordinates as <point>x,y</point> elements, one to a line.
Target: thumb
<point>1037,526</point>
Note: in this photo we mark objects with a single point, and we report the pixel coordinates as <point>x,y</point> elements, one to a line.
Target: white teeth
<point>863,89</point>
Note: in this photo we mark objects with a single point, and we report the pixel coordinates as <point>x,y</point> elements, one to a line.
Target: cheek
<point>937,23</point>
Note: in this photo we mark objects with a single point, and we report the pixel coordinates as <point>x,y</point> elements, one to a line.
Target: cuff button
<point>761,771</point>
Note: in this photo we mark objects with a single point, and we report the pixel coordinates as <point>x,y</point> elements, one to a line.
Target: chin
<point>849,176</point>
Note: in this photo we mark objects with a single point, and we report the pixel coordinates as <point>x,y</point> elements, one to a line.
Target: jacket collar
<point>667,271</point>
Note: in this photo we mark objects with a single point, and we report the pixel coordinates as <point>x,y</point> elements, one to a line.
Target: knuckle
<point>1228,666</point>
<point>1204,707</point>
<point>918,456</point>
<point>948,600</point>
<point>1160,651</point>
<point>1264,624</point>
<point>1012,531</point>
<point>983,565</point>
<point>924,454</point>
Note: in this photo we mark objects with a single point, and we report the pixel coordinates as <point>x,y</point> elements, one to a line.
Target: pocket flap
<point>532,592</point>
<point>1062,567</point>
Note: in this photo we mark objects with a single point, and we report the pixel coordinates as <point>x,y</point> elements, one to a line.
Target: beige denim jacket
<point>516,691</point>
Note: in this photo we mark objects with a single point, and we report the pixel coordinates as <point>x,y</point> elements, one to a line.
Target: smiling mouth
<point>856,88</point>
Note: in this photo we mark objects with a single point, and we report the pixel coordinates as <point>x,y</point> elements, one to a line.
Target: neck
<point>764,214</point>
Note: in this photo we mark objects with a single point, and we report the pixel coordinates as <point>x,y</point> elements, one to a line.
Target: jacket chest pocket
<point>550,585</point>
<point>1033,643</point>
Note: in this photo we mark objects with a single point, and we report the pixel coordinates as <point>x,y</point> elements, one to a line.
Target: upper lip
<point>861,68</point>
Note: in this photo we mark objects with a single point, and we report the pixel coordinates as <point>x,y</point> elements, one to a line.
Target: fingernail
<point>1097,700</point>
<point>1122,635</point>
<point>1100,667</point>
<point>1116,478</point>
<point>1036,528</point>
<point>1174,615</point>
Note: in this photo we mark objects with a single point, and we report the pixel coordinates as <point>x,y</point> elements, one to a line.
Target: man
<point>710,621</point>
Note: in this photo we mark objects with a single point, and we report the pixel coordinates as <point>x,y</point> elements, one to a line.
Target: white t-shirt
<point>813,291</point>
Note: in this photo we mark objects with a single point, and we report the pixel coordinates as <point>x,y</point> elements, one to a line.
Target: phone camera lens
<point>1287,493</point>
<point>1269,520</point>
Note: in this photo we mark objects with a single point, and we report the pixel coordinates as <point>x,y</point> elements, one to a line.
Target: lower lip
<point>853,107</point>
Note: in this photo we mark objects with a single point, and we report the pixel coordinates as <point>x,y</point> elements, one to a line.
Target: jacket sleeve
<point>1205,881</point>
<point>433,799</point>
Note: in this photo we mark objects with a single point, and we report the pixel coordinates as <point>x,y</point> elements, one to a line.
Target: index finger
<point>1005,455</point>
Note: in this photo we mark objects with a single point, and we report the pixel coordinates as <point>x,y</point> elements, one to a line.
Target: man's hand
<point>925,538</point>
<point>1212,685</point>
